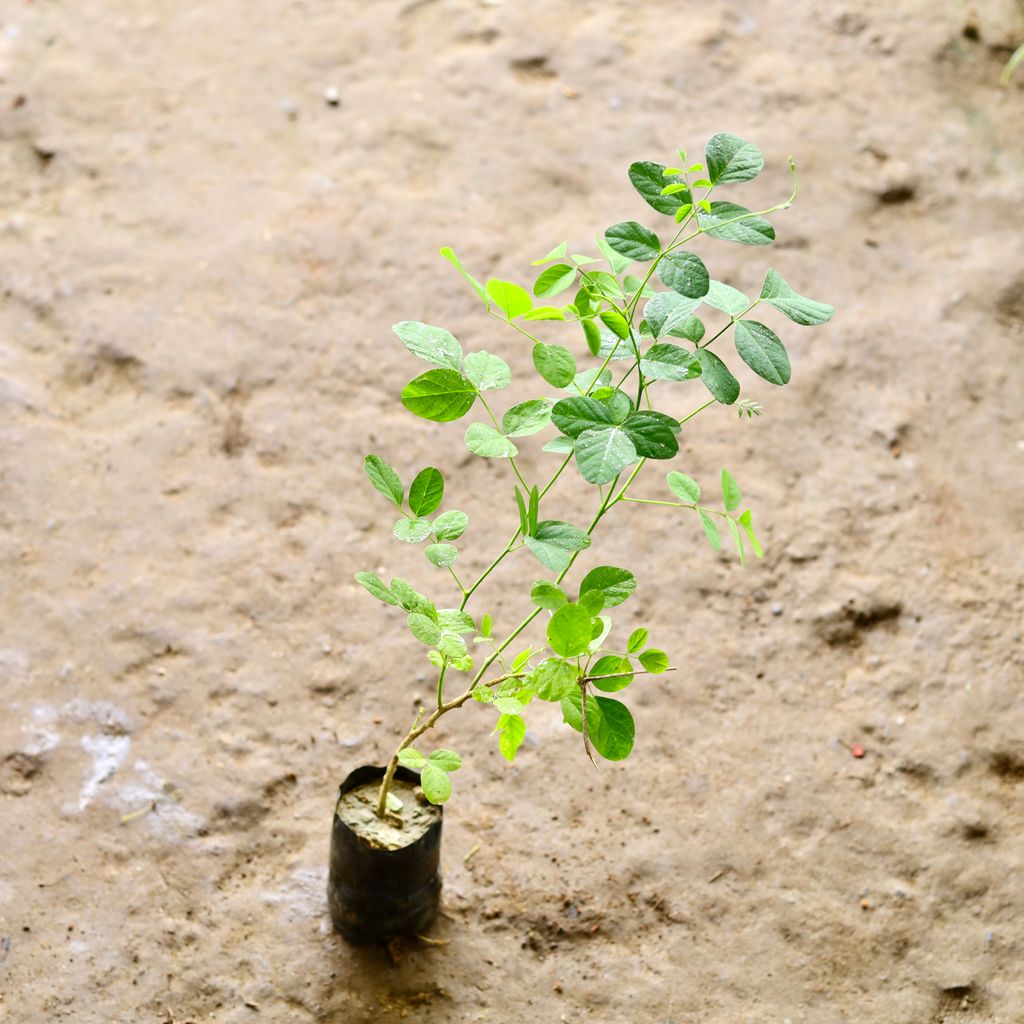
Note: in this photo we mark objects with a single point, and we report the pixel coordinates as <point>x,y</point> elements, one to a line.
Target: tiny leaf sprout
<point>640,317</point>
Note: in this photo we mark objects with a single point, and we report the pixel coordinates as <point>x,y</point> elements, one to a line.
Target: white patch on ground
<point>107,753</point>
<point>304,895</point>
<point>39,739</point>
<point>167,819</point>
<point>109,717</point>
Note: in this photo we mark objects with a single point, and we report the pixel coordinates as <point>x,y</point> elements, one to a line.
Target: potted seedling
<point>634,312</point>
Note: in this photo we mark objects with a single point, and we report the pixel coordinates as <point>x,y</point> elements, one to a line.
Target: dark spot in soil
<point>535,67</point>
<point>895,194</point>
<point>1008,765</point>
<point>234,438</point>
<point>1010,303</point>
<point>845,624</point>
<point>241,814</point>
<point>17,771</point>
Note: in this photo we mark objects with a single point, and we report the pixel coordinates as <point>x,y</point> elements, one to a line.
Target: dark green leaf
<point>692,329</point>
<point>487,372</point>
<point>488,443</point>
<point>450,525</point>
<point>555,364</point>
<point>652,435</point>
<point>667,310</point>
<point>512,300</point>
<point>570,631</point>
<point>683,486</point>
<point>554,280</point>
<point>554,679</point>
<point>439,395</point>
<point>613,583</point>
<point>524,519</point>
<point>545,594</point>
<point>592,601</point>
<point>620,669</point>
<point>533,509</point>
<point>426,492</point>
<point>669,362</point>
<point>633,241</point>
<point>685,273</point>
<point>433,344</point>
<point>807,312</point>
<point>724,387</point>
<point>526,418</point>
<point>375,585</point>
<point>735,223</point>
<point>449,255</point>
<point>603,453</point>
<point>611,730</point>
<point>412,531</point>
<point>649,179</point>
<point>730,159</point>
<point>384,479</point>
<point>759,347</point>
<point>574,415</point>
<point>730,491</point>
<point>654,660</point>
<point>554,543</point>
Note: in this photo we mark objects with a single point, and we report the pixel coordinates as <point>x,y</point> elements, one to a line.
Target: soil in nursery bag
<point>358,809</point>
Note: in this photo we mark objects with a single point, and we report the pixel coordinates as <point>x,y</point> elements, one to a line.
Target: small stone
<point>288,108</point>
<point>332,96</point>
<point>777,608</point>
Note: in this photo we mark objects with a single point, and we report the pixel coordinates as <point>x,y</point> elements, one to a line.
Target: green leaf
<point>619,404</point>
<point>512,300</point>
<point>730,491</point>
<point>412,531</point>
<point>759,347</point>
<point>485,441</point>
<point>554,542</point>
<point>649,179</point>
<point>570,631</point>
<point>587,380</point>
<point>411,759</point>
<point>557,253</point>
<point>521,659</point>
<point>654,660</point>
<point>545,594</point>
<point>721,221</point>
<point>632,284</point>
<point>426,492</point>
<point>547,313</point>
<point>613,583</point>
<point>592,601</point>
<point>803,311</point>
<point>633,241</point>
<point>487,372</point>
<point>450,525</point>
<point>554,280</point>
<point>653,434</point>
<point>603,453</point>
<point>384,479</point>
<point>737,539</point>
<point>710,529</point>
<point>602,627</point>
<point>454,620</point>
<point>411,600</point>
<point>555,364</point>
<point>726,298</point>
<point>486,625</point>
<point>526,418</point>
<point>508,705</point>
<point>449,255</point>
<point>669,362</point>
<point>432,344</point>
<point>524,519</point>
<point>442,555</point>
<point>375,585</point>
<point>746,521</point>
<point>592,336</point>
<point>683,486</point>
<point>615,322</point>
<point>424,629</point>
<point>512,731</point>
<point>554,679</point>
<point>439,395</point>
<point>724,387</point>
<point>611,665</point>
<point>636,640</point>
<point>533,509</point>
<point>685,273</point>
<point>574,415</point>
<point>692,329</point>
<point>446,760</point>
<point>452,646</point>
<point>436,785</point>
<point>667,310</point>
<point>605,284</point>
<point>611,729</point>
<point>615,259</point>
<point>731,159</point>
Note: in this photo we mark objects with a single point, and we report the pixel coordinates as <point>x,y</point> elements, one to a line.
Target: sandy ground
<point>201,260</point>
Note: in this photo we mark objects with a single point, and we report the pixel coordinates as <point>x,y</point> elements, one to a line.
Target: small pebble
<point>289,109</point>
<point>857,750</point>
<point>332,96</point>
<point>776,608</point>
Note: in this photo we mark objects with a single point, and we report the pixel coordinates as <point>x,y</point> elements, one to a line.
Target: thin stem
<point>497,427</point>
<point>677,504</point>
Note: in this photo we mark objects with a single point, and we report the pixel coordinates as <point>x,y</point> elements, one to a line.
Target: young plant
<point>646,346</point>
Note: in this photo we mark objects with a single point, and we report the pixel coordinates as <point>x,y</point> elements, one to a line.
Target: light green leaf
<point>649,179</point>
<point>600,281</point>
<point>759,347</point>
<point>559,445</point>
<point>411,758</point>
<point>486,625</point>
<point>633,241</point>
<point>737,538</point>
<point>587,380</point>
<point>485,441</point>
<point>557,253</point>
<point>735,223</point>
<point>411,600</point>
<point>807,312</point>
<point>746,521</point>
<point>439,395</point>
<point>524,518</point>
<point>554,280</point>
<point>632,284</point>
<point>384,479</point>
<point>412,531</point>
<point>454,620</point>
<point>613,583</point>
<point>667,310</point>
<point>570,631</point>
<point>669,362</point>
<point>426,492</point>
<point>636,640</point>
<point>512,300</point>
<point>508,705</point>
<point>375,585</point>
<point>436,785</point>
<point>512,731</point>
<point>731,159</point>
<point>526,418</point>
<point>730,491</point>
<point>654,660</point>
<point>685,273</point>
<point>446,760</point>
<point>592,601</point>
<point>432,344</point>
<point>487,372</point>
<point>451,645</point>
<point>554,679</point>
<point>615,322</point>
<point>449,255</point>
<point>555,364</point>
<point>603,453</point>
<point>724,387</point>
<point>521,659</point>
<point>620,669</point>
<point>554,543</point>
<point>450,525</point>
<point>616,260</point>
<point>442,555</point>
<point>424,629</point>
<point>545,594</point>
<point>548,313</point>
<point>683,486</point>
<point>653,434</point>
<point>714,538</point>
<point>726,298</point>
<point>592,336</point>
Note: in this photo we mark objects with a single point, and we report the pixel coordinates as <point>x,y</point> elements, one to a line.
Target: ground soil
<point>201,261</point>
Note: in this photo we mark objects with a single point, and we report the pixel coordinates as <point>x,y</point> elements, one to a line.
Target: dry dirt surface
<point>201,260</point>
